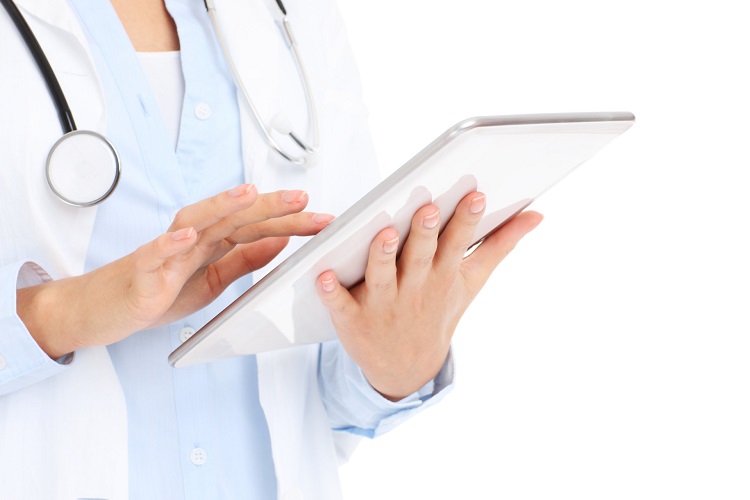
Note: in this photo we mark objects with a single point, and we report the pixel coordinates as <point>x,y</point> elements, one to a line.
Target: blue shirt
<point>196,432</point>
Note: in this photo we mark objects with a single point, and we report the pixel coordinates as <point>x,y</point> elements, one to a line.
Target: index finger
<point>211,210</point>
<point>478,266</point>
<point>267,207</point>
<point>458,233</point>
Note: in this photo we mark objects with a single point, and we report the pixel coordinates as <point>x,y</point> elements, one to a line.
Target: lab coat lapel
<point>54,13</point>
<point>65,230</point>
<point>66,49</point>
<point>71,428</point>
<point>247,28</point>
<point>303,449</point>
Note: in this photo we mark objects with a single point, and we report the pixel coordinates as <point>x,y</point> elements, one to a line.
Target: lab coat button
<point>203,111</point>
<point>3,363</point>
<point>293,494</point>
<point>198,456</point>
<point>186,333</point>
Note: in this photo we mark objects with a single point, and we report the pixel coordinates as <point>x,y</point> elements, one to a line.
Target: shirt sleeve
<point>22,361</point>
<point>354,406</point>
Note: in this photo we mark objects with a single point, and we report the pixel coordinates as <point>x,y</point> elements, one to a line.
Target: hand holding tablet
<point>511,160</point>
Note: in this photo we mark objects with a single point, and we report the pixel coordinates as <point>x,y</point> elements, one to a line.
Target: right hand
<point>210,244</point>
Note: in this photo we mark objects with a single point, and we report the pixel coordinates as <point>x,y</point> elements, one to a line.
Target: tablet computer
<point>512,159</point>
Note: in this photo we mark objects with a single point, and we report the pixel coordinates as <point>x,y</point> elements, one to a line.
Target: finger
<point>267,206</point>
<point>303,224</point>
<point>153,255</point>
<point>478,266</point>
<point>242,260</point>
<point>380,275</point>
<point>458,234</point>
<point>343,308</point>
<point>416,258</point>
<point>211,210</point>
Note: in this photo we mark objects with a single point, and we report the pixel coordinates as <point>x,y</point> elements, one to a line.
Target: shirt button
<point>198,456</point>
<point>186,333</point>
<point>3,363</point>
<point>202,111</point>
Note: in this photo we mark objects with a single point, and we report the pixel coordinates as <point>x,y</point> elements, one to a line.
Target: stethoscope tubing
<point>84,157</point>
<point>53,85</point>
<point>308,150</point>
<point>313,114</point>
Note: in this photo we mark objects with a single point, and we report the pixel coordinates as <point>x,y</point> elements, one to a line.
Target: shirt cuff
<point>22,361</point>
<point>354,406</point>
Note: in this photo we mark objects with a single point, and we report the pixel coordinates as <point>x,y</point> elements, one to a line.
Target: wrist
<point>395,385</point>
<point>36,306</point>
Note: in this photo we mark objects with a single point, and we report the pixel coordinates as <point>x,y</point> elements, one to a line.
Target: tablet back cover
<point>512,159</point>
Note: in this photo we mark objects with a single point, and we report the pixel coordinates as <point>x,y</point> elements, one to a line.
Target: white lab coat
<point>66,437</point>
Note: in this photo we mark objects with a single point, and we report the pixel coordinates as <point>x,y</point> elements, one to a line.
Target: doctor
<point>93,299</point>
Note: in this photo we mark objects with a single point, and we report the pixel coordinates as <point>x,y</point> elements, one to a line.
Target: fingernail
<point>292,196</point>
<point>328,285</point>
<point>322,218</point>
<point>390,246</point>
<point>477,204</point>
<point>182,234</point>
<point>430,221</point>
<point>241,190</point>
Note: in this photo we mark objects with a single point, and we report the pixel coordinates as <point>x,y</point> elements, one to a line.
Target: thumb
<point>244,259</point>
<point>337,299</point>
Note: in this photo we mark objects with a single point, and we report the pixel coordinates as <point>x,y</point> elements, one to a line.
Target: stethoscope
<point>83,167</point>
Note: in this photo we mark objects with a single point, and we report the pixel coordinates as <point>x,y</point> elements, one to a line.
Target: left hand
<point>397,325</point>
<point>210,244</point>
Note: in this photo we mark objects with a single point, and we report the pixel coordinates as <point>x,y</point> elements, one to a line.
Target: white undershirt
<point>164,74</point>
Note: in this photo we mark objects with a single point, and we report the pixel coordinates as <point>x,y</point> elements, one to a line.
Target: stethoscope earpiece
<point>304,149</point>
<point>281,124</point>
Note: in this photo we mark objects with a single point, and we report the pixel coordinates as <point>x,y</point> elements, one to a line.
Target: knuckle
<point>156,246</point>
<point>384,260</point>
<point>214,206</point>
<point>215,201</point>
<point>335,303</point>
<point>235,221</point>
<point>473,219</point>
<point>338,307</point>
<point>424,235</point>
<point>262,232</point>
<point>384,286</point>
<point>179,219</point>
<point>140,253</point>
<point>256,232</point>
<point>460,245</point>
<point>446,282</point>
<point>263,204</point>
<point>424,262</point>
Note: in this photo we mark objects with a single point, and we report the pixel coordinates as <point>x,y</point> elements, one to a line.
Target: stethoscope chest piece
<point>83,168</point>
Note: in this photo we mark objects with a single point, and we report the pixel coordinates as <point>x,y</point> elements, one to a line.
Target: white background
<point>609,357</point>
